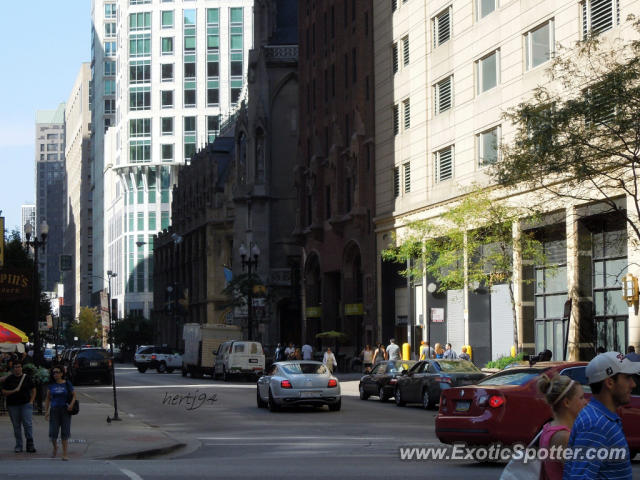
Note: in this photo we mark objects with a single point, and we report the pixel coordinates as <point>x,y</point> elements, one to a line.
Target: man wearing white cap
<point>597,425</point>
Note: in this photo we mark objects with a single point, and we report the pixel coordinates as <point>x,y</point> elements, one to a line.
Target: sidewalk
<point>92,437</point>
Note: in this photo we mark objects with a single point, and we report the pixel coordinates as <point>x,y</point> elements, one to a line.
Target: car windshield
<point>457,366</point>
<point>304,369</point>
<point>519,377</point>
<point>400,366</point>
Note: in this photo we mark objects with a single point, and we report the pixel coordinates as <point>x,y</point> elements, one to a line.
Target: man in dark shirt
<point>20,393</point>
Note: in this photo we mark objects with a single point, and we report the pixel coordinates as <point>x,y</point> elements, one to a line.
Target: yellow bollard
<point>513,351</point>
<point>406,351</point>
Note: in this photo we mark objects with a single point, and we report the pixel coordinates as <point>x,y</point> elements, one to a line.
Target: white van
<point>237,357</point>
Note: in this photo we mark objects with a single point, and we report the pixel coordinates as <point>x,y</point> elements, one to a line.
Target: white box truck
<point>201,343</point>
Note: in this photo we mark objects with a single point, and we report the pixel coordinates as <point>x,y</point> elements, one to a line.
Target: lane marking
<point>130,474</point>
<point>203,385</point>
<point>305,437</point>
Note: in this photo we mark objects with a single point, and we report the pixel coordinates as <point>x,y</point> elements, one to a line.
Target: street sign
<point>66,263</point>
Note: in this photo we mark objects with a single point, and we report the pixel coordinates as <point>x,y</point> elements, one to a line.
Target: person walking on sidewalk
<point>21,393</point>
<point>393,350</point>
<point>329,360</point>
<point>380,355</point>
<point>60,400</point>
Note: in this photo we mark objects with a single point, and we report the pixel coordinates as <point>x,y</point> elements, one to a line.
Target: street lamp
<point>36,244</point>
<point>251,262</point>
<point>111,275</point>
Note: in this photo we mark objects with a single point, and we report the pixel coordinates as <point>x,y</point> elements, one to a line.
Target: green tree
<point>473,240</point>
<point>578,137</point>
<point>132,331</point>
<point>20,313</point>
<point>85,328</point>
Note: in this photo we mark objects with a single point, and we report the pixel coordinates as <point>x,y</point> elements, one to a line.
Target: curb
<point>144,454</point>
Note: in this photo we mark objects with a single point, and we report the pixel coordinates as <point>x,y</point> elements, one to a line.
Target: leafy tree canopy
<point>578,137</point>
<point>88,322</point>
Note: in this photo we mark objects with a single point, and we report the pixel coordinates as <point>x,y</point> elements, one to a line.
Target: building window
<point>167,19</point>
<point>152,221</point>
<point>189,18</point>
<point>189,134</point>
<point>405,51</point>
<point>140,45</point>
<point>394,53</point>
<point>139,127</point>
<point>396,182</point>
<point>487,69</point>
<point>442,27</point>
<point>236,50</point>
<point>164,220</point>
<point>109,49</point>
<point>139,2</point>
<point>109,87</point>
<point>189,71</point>
<point>109,29</point>
<point>406,108</point>
<point>140,98</point>
<point>166,125</point>
<point>599,16</point>
<point>444,164</point>
<point>394,5</point>
<point>166,72</point>
<point>485,7</point>
<point>396,119</point>
<point>189,94</point>
<point>109,68</point>
<point>166,99</point>
<point>213,93</point>
<point>109,106</point>
<point>140,71</point>
<point>109,10</point>
<point>213,28</point>
<point>354,66</point>
<point>213,127</point>
<point>167,152</point>
<point>140,221</point>
<point>539,45</point>
<point>140,21</point>
<point>236,90</point>
<point>139,151</point>
<point>167,46</point>
<point>487,142</point>
<point>406,167</point>
<point>443,95</point>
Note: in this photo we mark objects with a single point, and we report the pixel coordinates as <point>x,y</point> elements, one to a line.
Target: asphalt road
<point>227,436</point>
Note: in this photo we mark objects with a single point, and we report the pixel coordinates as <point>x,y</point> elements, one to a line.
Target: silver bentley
<point>298,382</point>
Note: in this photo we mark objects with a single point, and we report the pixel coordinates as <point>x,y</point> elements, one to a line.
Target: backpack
<point>76,405</point>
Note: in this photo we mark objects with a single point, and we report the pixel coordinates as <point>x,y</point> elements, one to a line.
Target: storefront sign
<point>15,285</point>
<point>353,309</point>
<point>313,312</point>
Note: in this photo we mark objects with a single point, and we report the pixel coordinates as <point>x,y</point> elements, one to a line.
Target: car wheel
<point>335,407</point>
<point>381,395</point>
<point>184,372</point>
<point>273,406</point>
<point>427,402</point>
<point>399,401</point>
<point>170,370</point>
<point>363,394</point>
<point>142,369</point>
<point>162,367</point>
<point>261,403</point>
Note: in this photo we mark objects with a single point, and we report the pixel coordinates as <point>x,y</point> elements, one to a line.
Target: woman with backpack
<point>61,397</point>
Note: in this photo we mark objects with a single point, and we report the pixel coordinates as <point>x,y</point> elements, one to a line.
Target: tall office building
<point>50,194</point>
<point>28,215</point>
<point>78,231</point>
<point>179,68</point>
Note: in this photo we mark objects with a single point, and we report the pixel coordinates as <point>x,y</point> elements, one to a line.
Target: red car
<point>506,407</point>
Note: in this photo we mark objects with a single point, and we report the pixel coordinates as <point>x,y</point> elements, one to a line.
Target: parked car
<point>424,382</point>
<point>162,358</point>
<point>90,364</point>
<point>507,408</point>
<point>238,358</point>
<point>383,378</point>
<point>298,382</point>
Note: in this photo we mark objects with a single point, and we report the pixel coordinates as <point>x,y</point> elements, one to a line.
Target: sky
<point>41,59</point>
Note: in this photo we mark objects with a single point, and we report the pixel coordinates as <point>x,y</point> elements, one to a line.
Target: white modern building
<point>28,216</point>
<point>445,73</point>
<point>180,68</point>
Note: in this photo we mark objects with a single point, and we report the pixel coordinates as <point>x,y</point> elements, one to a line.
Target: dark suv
<point>89,364</point>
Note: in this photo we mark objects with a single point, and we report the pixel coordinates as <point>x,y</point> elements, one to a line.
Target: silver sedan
<point>298,382</point>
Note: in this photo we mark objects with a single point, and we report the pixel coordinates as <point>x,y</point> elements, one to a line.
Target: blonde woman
<point>566,399</point>
<point>439,351</point>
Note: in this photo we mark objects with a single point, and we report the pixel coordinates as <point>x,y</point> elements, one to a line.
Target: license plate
<point>93,364</point>
<point>462,406</point>
<point>253,360</point>
<point>308,394</point>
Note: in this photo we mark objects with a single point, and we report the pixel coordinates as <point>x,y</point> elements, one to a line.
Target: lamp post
<point>36,244</point>
<point>251,262</point>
